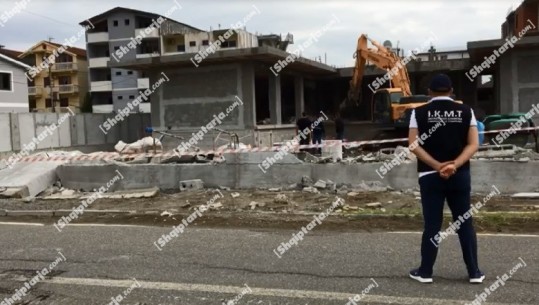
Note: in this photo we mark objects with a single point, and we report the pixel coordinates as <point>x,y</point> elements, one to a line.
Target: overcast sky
<point>409,23</point>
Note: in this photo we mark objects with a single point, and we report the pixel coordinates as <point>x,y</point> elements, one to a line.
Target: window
<point>48,103</point>
<point>116,48</point>
<point>118,73</point>
<point>126,21</point>
<point>115,22</point>
<point>180,48</point>
<point>46,82</point>
<point>129,72</point>
<point>64,102</point>
<point>229,44</point>
<point>205,42</point>
<point>192,43</point>
<point>120,97</point>
<point>64,80</point>
<point>32,105</point>
<point>131,97</point>
<point>5,81</point>
<point>109,77</point>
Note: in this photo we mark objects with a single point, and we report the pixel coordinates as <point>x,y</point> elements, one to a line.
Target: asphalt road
<point>206,266</point>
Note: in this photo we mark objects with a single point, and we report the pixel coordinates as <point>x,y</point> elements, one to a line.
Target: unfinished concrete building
<point>201,85</point>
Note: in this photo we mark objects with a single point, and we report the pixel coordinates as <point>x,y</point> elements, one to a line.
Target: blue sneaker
<point>414,274</point>
<point>477,278</point>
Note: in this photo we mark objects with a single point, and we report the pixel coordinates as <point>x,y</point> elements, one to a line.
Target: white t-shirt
<point>413,124</point>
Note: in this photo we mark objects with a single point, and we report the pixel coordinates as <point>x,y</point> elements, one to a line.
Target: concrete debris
<point>281,198</point>
<point>323,160</point>
<point>306,181</point>
<point>307,157</point>
<point>187,204</point>
<point>526,195</point>
<point>352,194</point>
<point>374,205</point>
<point>275,189</point>
<point>292,186</point>
<point>224,188</point>
<point>128,194</point>
<point>215,206</point>
<point>330,185</point>
<point>235,195</point>
<point>166,213</point>
<point>254,204</point>
<point>383,210</point>
<point>320,184</point>
<point>311,189</point>
<point>370,186</point>
<point>191,185</point>
<point>505,153</point>
<point>28,179</point>
<point>145,144</point>
<point>416,194</point>
<point>59,194</point>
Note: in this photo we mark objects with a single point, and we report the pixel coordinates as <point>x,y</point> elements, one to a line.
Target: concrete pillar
<point>274,94</point>
<point>299,92</point>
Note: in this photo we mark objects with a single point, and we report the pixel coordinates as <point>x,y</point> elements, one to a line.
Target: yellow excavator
<point>390,106</point>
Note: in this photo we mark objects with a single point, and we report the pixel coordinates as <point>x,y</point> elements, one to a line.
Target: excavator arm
<point>382,58</point>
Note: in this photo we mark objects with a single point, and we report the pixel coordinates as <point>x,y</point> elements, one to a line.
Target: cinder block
<point>191,185</point>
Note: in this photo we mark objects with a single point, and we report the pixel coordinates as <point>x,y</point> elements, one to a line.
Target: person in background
<point>303,123</point>
<point>318,135</point>
<point>339,126</point>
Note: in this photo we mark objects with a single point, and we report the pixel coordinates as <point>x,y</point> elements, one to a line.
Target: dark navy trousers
<point>434,191</point>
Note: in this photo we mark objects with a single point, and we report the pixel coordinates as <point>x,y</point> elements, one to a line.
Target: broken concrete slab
<point>320,184</point>
<point>30,178</point>
<point>526,195</point>
<point>235,195</point>
<point>191,185</point>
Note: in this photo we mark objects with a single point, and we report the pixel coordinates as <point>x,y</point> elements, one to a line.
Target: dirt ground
<point>394,210</point>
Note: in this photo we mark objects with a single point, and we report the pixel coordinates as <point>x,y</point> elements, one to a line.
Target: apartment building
<point>13,85</point>
<point>112,33</point>
<point>63,83</point>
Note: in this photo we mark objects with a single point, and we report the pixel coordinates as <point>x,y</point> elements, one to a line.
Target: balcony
<point>101,86</point>
<point>98,37</point>
<point>147,32</point>
<point>99,62</point>
<point>143,83</point>
<point>68,89</point>
<point>64,67</point>
<point>35,91</point>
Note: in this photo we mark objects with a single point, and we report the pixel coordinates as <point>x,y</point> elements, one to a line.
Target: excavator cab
<point>382,104</point>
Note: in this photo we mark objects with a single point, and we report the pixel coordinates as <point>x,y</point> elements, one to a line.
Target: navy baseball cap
<point>441,83</point>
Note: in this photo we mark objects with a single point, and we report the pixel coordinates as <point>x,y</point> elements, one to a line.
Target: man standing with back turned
<point>444,173</point>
